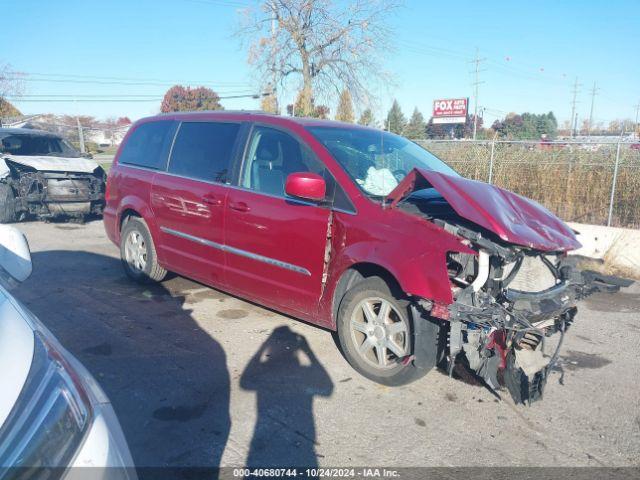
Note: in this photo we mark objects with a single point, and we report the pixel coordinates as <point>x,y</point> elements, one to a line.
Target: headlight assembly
<point>49,420</point>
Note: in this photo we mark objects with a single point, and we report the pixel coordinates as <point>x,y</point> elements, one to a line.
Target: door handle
<point>239,206</point>
<point>212,200</point>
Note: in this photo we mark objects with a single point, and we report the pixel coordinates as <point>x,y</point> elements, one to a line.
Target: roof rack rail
<point>253,112</point>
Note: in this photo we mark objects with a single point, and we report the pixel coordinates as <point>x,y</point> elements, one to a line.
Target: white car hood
<point>16,354</point>
<point>49,164</point>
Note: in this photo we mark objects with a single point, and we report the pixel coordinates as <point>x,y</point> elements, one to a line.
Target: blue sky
<point>533,50</point>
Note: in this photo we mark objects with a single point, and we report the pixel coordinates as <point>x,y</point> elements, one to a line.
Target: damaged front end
<point>49,194</point>
<point>508,303</point>
<point>515,298</point>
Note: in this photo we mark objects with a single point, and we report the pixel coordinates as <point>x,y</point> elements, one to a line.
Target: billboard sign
<point>450,110</point>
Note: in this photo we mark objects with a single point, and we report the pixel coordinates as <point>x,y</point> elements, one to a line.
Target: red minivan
<point>354,229</point>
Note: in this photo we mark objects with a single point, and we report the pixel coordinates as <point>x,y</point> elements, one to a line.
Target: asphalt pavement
<point>201,378</point>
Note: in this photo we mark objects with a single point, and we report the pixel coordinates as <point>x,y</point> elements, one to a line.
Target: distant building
<point>108,136</point>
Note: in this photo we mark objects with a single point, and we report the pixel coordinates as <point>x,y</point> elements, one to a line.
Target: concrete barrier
<point>618,248</point>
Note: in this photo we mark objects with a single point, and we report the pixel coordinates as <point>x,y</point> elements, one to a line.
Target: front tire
<point>138,253</point>
<point>376,333</point>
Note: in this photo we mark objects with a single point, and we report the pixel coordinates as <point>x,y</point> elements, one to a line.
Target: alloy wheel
<point>379,332</point>
<point>136,251</point>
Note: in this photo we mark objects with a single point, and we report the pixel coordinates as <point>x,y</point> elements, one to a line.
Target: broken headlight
<point>48,421</point>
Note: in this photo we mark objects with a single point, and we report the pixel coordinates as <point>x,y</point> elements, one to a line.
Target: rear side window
<point>148,145</point>
<point>204,150</point>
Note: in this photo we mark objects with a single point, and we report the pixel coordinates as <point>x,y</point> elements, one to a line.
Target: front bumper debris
<point>503,338</point>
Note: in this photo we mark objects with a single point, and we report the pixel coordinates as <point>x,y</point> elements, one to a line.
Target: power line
<point>221,3</point>
<point>528,73</point>
<point>434,51</point>
<point>109,95</point>
<point>120,100</point>
<point>89,79</point>
<point>102,77</point>
<point>122,83</point>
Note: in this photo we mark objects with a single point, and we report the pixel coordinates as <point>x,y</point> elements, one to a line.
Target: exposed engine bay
<point>48,194</point>
<point>508,302</point>
<point>512,304</point>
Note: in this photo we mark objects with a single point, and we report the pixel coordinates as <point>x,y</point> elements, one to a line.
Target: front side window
<point>376,160</point>
<point>272,155</point>
<point>147,146</point>
<point>204,150</point>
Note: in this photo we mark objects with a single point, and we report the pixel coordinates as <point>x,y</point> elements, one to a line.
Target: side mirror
<point>15,257</point>
<point>306,185</point>
<point>86,155</point>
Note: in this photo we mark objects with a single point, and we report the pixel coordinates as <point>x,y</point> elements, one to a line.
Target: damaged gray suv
<point>43,175</point>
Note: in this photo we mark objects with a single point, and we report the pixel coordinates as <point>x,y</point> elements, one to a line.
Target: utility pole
<point>575,90</point>
<point>80,135</point>
<point>476,84</point>
<point>273,58</point>
<point>637,132</point>
<point>594,92</point>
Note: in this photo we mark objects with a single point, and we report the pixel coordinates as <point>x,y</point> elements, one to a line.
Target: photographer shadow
<point>166,376</point>
<point>286,376</point>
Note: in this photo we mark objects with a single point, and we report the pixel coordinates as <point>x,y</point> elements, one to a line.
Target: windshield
<point>36,145</point>
<point>376,160</point>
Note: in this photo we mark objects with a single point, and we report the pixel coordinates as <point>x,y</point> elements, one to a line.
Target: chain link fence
<point>596,183</point>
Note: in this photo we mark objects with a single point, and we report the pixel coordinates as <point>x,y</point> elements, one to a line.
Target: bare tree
<point>327,45</point>
<point>11,84</point>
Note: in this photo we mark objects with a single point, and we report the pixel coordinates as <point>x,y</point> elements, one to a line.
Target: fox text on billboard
<point>450,110</point>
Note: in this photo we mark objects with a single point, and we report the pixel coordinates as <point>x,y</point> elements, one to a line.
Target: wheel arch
<point>133,206</point>
<point>125,215</point>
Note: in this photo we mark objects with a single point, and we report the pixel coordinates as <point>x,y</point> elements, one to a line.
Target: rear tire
<point>7,204</point>
<point>375,332</point>
<point>138,253</point>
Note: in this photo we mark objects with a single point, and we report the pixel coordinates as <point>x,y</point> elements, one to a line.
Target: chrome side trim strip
<point>237,251</point>
<point>270,261</point>
<point>202,241</point>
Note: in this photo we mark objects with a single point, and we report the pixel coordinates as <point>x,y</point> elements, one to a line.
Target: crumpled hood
<point>51,164</point>
<point>514,218</point>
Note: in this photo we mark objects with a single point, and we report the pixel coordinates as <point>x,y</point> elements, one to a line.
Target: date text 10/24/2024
<point>317,472</point>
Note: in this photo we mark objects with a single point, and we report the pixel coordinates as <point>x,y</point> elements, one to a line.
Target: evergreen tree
<point>527,126</point>
<point>366,118</point>
<point>396,120</point>
<point>416,127</point>
<point>345,108</point>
